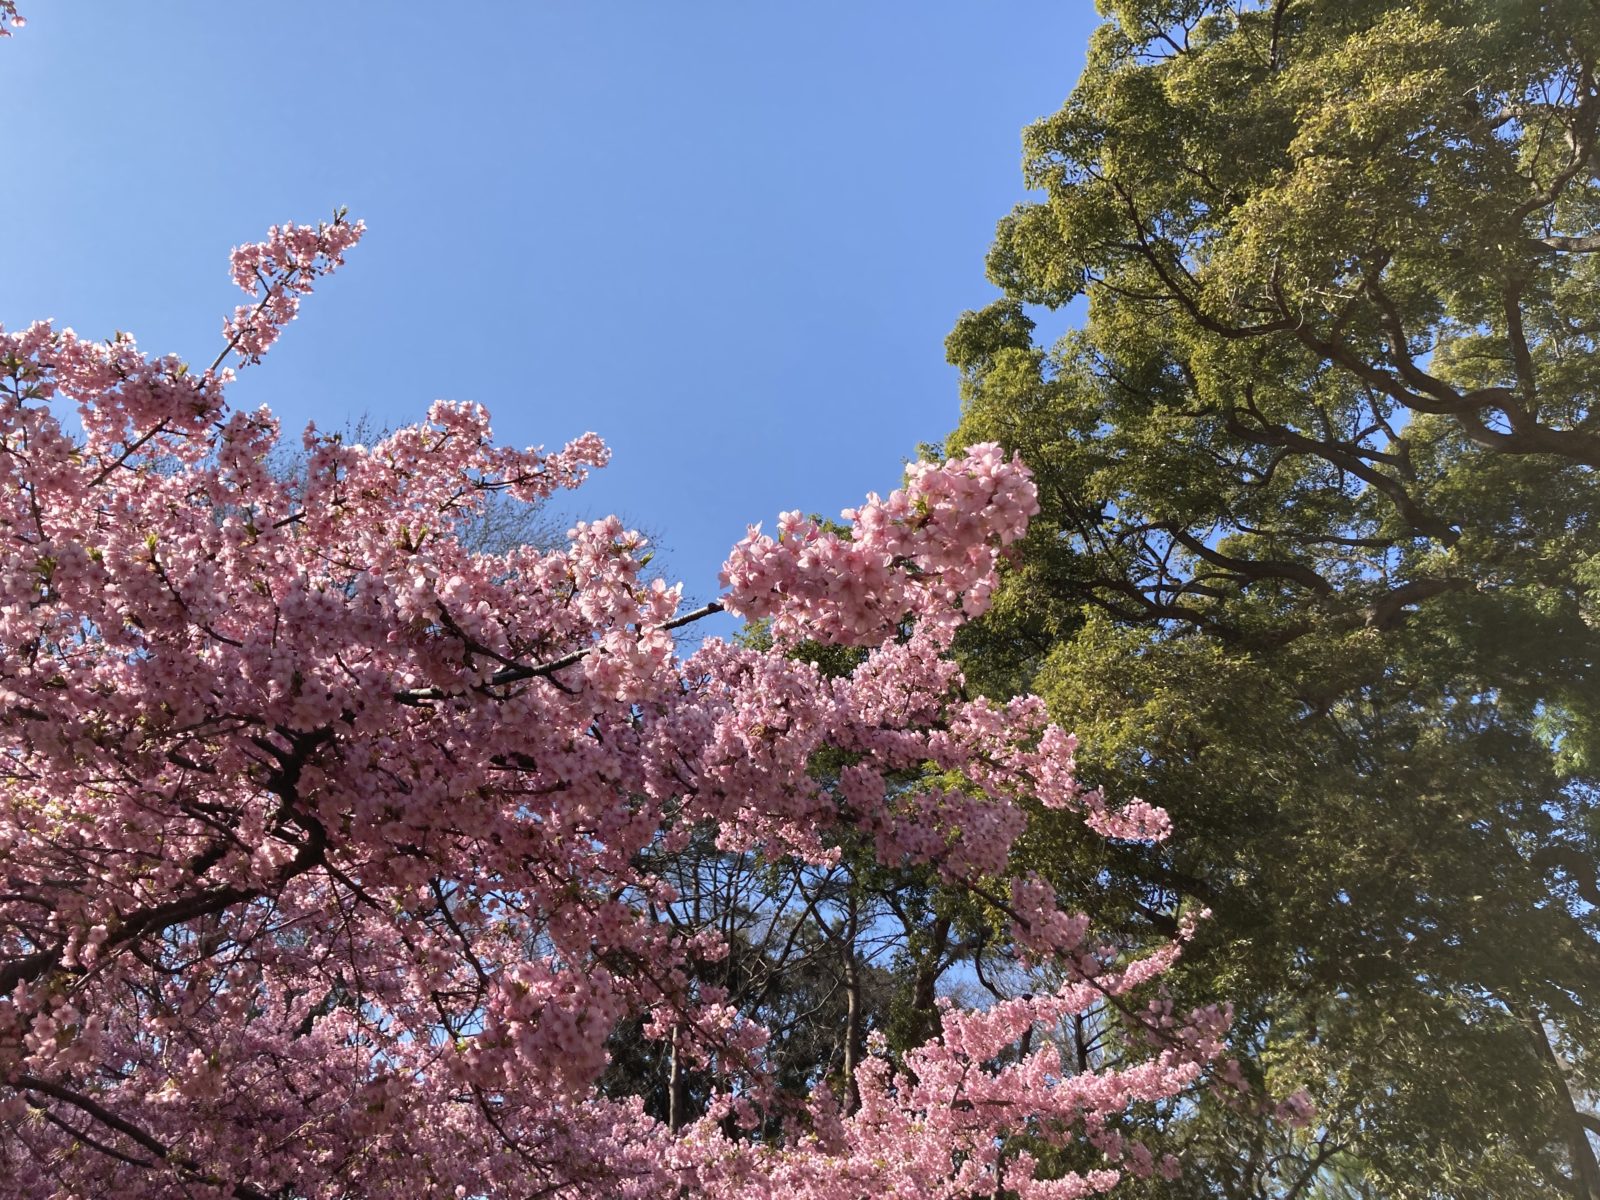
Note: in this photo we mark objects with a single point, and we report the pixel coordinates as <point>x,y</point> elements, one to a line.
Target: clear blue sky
<point>729,237</point>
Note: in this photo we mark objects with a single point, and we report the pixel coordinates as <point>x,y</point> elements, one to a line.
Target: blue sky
<point>729,237</point>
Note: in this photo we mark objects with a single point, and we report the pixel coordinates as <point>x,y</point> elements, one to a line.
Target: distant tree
<point>1318,561</point>
<point>501,523</point>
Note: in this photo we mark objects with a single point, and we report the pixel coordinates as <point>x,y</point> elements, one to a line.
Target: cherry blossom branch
<point>283,268</point>
<point>111,1120</point>
<point>546,669</point>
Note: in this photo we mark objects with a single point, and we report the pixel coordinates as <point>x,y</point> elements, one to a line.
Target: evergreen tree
<point>1317,569</point>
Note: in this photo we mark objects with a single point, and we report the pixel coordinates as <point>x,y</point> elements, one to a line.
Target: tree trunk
<point>853,1039</point>
<point>1585,1171</point>
<point>924,998</point>
<point>675,1090</point>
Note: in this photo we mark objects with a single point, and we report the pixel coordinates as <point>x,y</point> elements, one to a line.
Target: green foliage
<point>1317,563</point>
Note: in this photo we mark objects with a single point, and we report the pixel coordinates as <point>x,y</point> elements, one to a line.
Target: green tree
<point>1319,566</point>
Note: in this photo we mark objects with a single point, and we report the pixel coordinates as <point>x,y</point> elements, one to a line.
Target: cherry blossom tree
<point>328,843</point>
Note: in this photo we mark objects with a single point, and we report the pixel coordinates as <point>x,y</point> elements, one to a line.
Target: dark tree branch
<point>1267,433</point>
<point>1254,569</point>
<point>1565,244</point>
<point>518,674</point>
<point>91,1108</point>
<point>1387,610</point>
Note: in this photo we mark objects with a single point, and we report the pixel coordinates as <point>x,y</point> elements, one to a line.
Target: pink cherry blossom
<point>328,841</point>
<point>276,273</point>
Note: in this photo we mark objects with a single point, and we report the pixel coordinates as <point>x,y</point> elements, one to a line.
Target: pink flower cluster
<point>928,551</point>
<point>279,271</point>
<point>938,1126</point>
<point>332,846</point>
